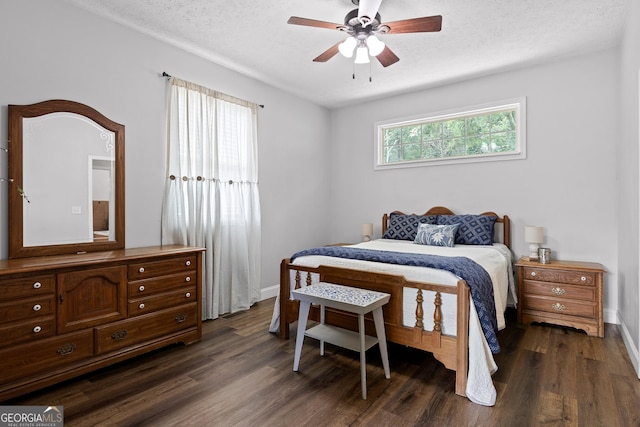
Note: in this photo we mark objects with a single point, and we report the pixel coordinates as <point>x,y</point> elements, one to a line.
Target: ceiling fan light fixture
<point>362,55</point>
<point>376,46</point>
<point>363,22</point>
<point>346,47</point>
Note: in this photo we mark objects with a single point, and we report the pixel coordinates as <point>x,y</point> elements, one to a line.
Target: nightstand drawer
<point>559,276</point>
<point>559,306</point>
<point>560,290</point>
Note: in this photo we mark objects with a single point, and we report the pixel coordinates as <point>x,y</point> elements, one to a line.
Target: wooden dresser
<point>565,293</point>
<point>62,316</point>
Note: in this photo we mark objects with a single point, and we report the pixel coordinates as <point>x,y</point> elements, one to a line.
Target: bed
<point>431,308</point>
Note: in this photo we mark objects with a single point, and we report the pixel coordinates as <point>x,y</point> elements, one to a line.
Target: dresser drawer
<point>141,288</point>
<point>27,330</point>
<point>145,270</point>
<point>155,302</point>
<point>141,328</point>
<point>26,308</point>
<point>560,290</point>
<point>559,306</point>
<point>559,276</point>
<point>26,287</point>
<point>45,355</point>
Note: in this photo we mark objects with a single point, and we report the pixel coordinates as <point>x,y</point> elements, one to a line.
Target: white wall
<point>567,184</point>
<point>52,50</point>
<point>628,193</point>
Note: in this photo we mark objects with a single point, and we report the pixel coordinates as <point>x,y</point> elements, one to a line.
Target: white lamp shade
<point>376,46</point>
<point>347,46</point>
<point>367,229</point>
<point>362,56</point>
<point>533,234</point>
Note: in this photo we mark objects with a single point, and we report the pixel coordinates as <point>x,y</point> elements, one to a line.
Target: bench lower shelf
<point>340,337</point>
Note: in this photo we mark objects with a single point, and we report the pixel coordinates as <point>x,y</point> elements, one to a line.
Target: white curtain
<point>211,195</point>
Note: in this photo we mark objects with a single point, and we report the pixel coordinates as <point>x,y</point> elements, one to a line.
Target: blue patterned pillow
<point>436,235</point>
<point>405,227</point>
<point>473,230</point>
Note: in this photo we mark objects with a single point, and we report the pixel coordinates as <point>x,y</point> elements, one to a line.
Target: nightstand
<point>567,293</point>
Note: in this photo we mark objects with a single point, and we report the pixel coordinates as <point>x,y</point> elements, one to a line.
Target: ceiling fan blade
<point>296,20</point>
<point>368,8</point>
<point>387,57</point>
<point>327,54</point>
<point>426,24</point>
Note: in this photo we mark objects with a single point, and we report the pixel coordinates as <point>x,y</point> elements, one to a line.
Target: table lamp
<point>367,232</point>
<point>534,236</point>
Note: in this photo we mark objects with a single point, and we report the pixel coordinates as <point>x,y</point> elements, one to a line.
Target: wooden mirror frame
<point>16,232</point>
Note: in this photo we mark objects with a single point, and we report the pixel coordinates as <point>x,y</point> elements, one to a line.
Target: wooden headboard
<point>441,210</point>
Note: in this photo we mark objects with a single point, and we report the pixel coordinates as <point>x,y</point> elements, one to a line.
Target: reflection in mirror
<point>101,173</point>
<point>66,161</point>
<point>61,208</point>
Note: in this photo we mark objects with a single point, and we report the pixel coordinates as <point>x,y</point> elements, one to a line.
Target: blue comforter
<point>476,277</point>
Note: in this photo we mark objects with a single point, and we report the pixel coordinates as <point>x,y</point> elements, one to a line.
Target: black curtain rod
<point>165,74</point>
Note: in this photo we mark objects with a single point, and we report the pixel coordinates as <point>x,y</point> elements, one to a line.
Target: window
<point>482,133</point>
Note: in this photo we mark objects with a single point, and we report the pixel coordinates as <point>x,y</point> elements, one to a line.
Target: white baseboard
<point>611,316</point>
<point>631,349</point>
<point>270,292</point>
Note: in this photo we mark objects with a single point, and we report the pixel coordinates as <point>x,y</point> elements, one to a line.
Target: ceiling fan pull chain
<point>354,70</point>
<point>370,80</point>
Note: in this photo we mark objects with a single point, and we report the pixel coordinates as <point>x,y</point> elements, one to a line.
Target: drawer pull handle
<point>141,288</point>
<point>533,273</point>
<point>188,263</point>
<point>119,335</point>
<point>37,307</point>
<point>141,306</point>
<point>583,278</point>
<point>37,285</point>
<point>141,270</point>
<point>37,329</point>
<point>558,291</point>
<point>181,318</point>
<point>558,307</point>
<point>187,279</point>
<point>66,349</point>
<point>188,295</point>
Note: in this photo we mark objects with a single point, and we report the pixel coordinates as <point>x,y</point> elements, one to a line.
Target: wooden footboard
<point>452,351</point>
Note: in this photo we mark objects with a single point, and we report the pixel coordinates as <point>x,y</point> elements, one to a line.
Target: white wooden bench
<point>353,300</point>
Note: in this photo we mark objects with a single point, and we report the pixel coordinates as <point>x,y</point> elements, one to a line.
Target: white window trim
<point>520,105</point>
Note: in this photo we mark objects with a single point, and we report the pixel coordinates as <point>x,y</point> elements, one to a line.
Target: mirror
<point>66,166</point>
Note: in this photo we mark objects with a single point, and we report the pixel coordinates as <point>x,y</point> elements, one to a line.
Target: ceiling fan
<point>363,25</point>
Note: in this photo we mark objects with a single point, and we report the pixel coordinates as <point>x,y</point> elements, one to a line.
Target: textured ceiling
<point>478,37</point>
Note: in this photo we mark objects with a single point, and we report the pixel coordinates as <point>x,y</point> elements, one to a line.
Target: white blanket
<point>496,260</point>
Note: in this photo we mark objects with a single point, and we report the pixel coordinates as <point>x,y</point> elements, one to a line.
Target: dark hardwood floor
<point>241,375</point>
